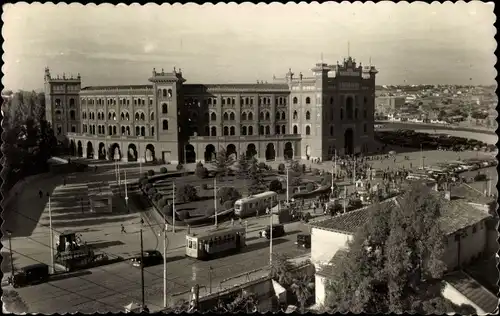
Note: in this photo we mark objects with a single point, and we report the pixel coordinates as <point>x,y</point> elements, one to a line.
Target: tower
<point>62,105</point>
<point>318,139</point>
<point>168,98</point>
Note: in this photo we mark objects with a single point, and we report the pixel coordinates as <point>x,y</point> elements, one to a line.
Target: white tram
<point>215,242</point>
<point>254,204</point>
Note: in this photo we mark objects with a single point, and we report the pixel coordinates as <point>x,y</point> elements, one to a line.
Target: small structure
<point>133,308</point>
<point>100,197</point>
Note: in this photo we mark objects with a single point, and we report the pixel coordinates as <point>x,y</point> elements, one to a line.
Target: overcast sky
<point>409,43</point>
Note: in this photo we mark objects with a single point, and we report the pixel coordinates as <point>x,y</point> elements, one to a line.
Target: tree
<point>303,288</point>
<point>243,167</point>
<point>13,302</point>
<point>275,186</point>
<point>310,187</point>
<point>228,194</point>
<point>200,171</point>
<point>186,193</point>
<point>393,259</point>
<point>257,184</point>
<point>281,270</point>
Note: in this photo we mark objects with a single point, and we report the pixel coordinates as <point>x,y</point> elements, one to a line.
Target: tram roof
<point>256,196</point>
<point>218,231</point>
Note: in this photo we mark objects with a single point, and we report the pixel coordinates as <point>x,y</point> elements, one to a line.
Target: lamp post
<point>126,191</point>
<point>173,206</point>
<point>215,199</point>
<point>51,237</point>
<point>165,245</point>
<point>287,187</point>
<point>11,255</point>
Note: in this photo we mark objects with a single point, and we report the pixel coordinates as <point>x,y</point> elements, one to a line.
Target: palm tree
<point>303,288</point>
<point>281,270</point>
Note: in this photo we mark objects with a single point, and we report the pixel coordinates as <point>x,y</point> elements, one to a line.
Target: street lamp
<point>51,237</point>
<point>11,255</point>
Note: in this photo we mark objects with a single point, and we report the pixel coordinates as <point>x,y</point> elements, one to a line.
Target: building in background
<point>385,105</point>
<point>293,117</point>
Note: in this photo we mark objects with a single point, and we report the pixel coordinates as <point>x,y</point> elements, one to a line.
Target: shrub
<point>163,170</point>
<point>162,202</point>
<point>204,186</point>
<point>262,165</point>
<point>180,167</point>
<point>148,186</point>
<point>186,193</point>
<point>315,172</point>
<point>151,192</point>
<point>183,215</point>
<point>201,172</point>
<point>281,167</point>
<point>151,173</point>
<point>275,186</point>
<point>304,168</point>
<point>480,177</point>
<point>157,196</point>
<point>310,187</point>
<point>228,194</point>
<point>143,182</point>
<point>228,205</point>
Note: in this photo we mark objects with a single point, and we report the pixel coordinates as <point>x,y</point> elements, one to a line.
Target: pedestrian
<point>64,180</point>
<point>40,193</point>
<point>232,221</point>
<point>142,222</point>
<point>123,229</point>
<point>240,221</point>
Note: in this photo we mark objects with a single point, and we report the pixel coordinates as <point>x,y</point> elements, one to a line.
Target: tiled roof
<point>124,87</point>
<point>471,289</point>
<point>469,194</point>
<point>455,215</point>
<point>238,86</point>
<point>327,270</point>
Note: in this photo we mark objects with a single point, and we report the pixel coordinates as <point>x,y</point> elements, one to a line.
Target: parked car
<point>151,258</point>
<point>303,240</point>
<point>29,275</point>
<point>278,231</point>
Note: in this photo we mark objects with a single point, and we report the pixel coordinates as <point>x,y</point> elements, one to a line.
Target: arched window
<point>114,116</point>
<point>122,116</point>
<point>231,116</point>
<point>365,114</point>
<point>308,115</point>
<point>152,131</point>
<point>137,131</point>
<point>295,115</point>
<point>164,93</point>
<point>331,100</point>
<point>128,130</point>
<point>232,131</point>
<point>226,117</point>
<point>341,114</point>
<point>71,102</point>
<point>355,113</point>
<point>127,116</point>
<point>268,116</point>
<point>243,116</point>
<point>295,129</point>
<point>365,128</point>
<point>277,129</point>
<point>164,108</point>
<point>213,131</point>
<point>165,125</point>
<point>278,115</point>
<point>110,130</point>
<point>226,131</point>
<point>123,130</point>
<point>228,101</point>
<point>159,92</point>
<point>58,102</point>
<point>250,130</point>
<point>213,116</point>
<point>137,116</point>
<point>250,116</point>
<point>308,100</point>
<point>243,130</point>
<point>246,101</point>
<point>308,130</point>
<point>295,100</point>
<point>284,101</point>
<point>261,116</point>
<point>143,131</point>
<point>268,100</point>
<point>283,115</point>
<point>152,116</point>
<point>283,129</point>
<point>72,115</point>
<point>331,130</point>
<point>114,130</point>
<point>169,93</point>
<point>261,130</point>
<point>143,117</point>
<point>268,130</point>
<point>209,101</point>
<point>223,101</point>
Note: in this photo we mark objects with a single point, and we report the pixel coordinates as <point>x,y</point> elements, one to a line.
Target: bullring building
<point>293,117</point>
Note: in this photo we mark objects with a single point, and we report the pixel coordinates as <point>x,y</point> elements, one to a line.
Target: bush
<point>183,215</point>
<point>262,165</point>
<point>162,202</point>
<point>148,186</point>
<point>201,172</point>
<point>157,196</point>
<point>281,167</point>
<point>186,193</point>
<point>315,172</point>
<point>143,182</point>
<point>228,205</point>
<point>480,177</point>
<point>228,194</point>
<point>180,167</point>
<point>151,173</point>
<point>275,186</point>
<point>204,186</point>
<point>310,187</point>
<point>163,170</point>
<point>151,192</point>
<point>304,168</point>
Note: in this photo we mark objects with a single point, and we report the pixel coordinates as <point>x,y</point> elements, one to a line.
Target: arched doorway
<point>80,149</point>
<point>251,151</point>
<point>210,153</point>
<point>270,152</point>
<point>102,151</point>
<point>150,153</point>
<point>72,148</point>
<point>288,152</point>
<point>90,150</point>
<point>349,142</point>
<point>115,153</point>
<point>230,151</point>
<point>190,154</point>
<point>308,152</point>
<point>132,153</point>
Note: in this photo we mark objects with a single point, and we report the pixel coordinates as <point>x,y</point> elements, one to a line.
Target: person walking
<point>123,229</point>
<point>142,222</point>
<point>40,193</point>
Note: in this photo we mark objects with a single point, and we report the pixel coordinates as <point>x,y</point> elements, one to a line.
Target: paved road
<point>109,288</point>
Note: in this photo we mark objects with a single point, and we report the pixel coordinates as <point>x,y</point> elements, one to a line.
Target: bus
<point>255,204</point>
<point>214,243</point>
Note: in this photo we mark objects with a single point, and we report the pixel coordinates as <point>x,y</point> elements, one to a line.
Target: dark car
<point>29,275</point>
<point>151,258</point>
<point>304,240</point>
<point>278,231</point>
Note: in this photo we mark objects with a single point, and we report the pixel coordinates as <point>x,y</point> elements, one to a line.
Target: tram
<point>215,243</point>
<point>255,204</point>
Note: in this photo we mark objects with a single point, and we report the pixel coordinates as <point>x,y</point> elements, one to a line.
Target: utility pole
<point>165,241</point>
<point>354,173</point>
<point>287,187</point>
<point>215,199</point>
<point>173,206</point>
<point>51,237</point>
<point>126,192</point>
<point>271,237</point>
<point>345,198</point>
<point>142,273</point>
<point>119,180</point>
<point>11,255</point>
<point>422,156</point>
<point>210,278</point>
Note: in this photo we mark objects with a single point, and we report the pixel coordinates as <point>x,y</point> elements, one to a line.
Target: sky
<point>414,43</point>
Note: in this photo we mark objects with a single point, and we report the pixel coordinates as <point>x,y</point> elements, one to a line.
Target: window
<point>123,130</point>
<point>365,100</point>
<point>228,101</point>
<point>295,100</point>
<point>268,130</point>
<point>164,93</point>
<point>137,130</point>
<point>331,130</point>
<point>243,116</point>
<point>295,130</point>
<point>58,102</point>
<point>232,131</point>
<point>261,130</point>
<point>152,131</point>
<point>110,130</point>
<point>247,101</point>
<point>331,100</point>
<point>277,129</point>
<point>261,116</point>
<point>71,102</point>
<point>283,129</point>
<point>169,93</point>
<point>308,130</point>
<point>295,115</point>
<point>213,116</point>
<point>365,114</point>
<point>356,114</point>
<point>164,108</point>
<point>73,129</point>
<point>283,116</point>
<point>213,131</point>
<point>143,117</point>
<point>137,116</point>
<point>365,128</point>
<point>243,130</point>
<point>226,131</point>
<point>114,130</point>
<point>284,101</point>
<point>152,116</point>
<point>308,100</point>
<point>59,130</point>
<point>128,130</point>
<point>150,101</point>
<point>226,116</point>
<point>127,116</point>
<point>223,101</point>
<point>278,115</point>
<point>341,114</point>
<point>250,116</point>
<point>268,116</point>
<point>308,115</point>
<point>143,131</point>
<point>165,125</point>
<point>231,116</point>
<point>72,115</point>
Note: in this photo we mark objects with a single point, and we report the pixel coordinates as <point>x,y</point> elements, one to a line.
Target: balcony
<point>244,138</point>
